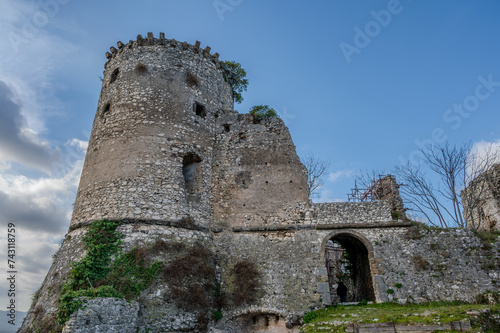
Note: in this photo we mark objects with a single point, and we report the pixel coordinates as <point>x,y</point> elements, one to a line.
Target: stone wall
<point>418,264</point>
<point>439,264</point>
<point>145,125</point>
<point>170,158</point>
<point>257,172</point>
<point>156,312</point>
<point>481,201</point>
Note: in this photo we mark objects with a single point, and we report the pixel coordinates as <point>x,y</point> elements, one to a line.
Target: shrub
<point>192,79</point>
<point>186,222</point>
<point>191,280</point>
<point>310,316</point>
<point>398,285</point>
<point>363,302</point>
<point>217,315</point>
<point>140,68</point>
<point>246,278</point>
<point>260,112</point>
<point>390,291</point>
<point>161,246</point>
<point>488,320</point>
<point>395,215</point>
<point>236,77</point>
<point>420,262</point>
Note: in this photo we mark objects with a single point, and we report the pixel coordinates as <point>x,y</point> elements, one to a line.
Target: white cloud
<point>33,258</point>
<point>32,59</point>
<point>18,143</point>
<point>83,145</point>
<point>482,155</point>
<point>43,204</point>
<point>41,210</point>
<point>337,175</point>
<point>326,195</point>
<point>28,68</point>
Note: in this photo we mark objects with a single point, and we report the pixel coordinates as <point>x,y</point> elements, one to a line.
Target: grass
<point>487,237</point>
<point>335,318</point>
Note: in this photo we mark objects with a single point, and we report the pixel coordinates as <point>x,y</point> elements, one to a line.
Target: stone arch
<point>361,260</point>
<point>352,233</point>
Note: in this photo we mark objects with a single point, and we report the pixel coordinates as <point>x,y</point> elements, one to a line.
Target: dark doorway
<point>347,261</point>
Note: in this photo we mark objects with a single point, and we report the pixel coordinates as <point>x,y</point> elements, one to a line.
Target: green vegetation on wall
<point>97,275</point>
<point>236,77</point>
<point>261,112</point>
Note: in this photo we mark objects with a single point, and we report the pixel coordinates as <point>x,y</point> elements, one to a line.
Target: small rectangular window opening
<point>200,110</point>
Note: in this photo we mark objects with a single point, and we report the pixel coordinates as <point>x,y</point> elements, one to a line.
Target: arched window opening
<point>200,109</point>
<point>191,170</point>
<point>347,262</point>
<point>114,75</point>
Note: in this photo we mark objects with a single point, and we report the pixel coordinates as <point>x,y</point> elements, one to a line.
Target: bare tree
<point>316,170</point>
<point>438,197</point>
<point>366,178</point>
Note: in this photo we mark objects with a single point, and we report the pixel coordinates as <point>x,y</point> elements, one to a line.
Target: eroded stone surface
<point>245,198</point>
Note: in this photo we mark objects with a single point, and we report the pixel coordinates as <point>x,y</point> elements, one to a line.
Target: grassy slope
<point>333,319</point>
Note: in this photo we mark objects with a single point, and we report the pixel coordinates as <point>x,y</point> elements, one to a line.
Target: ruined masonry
<point>170,157</point>
<point>481,201</point>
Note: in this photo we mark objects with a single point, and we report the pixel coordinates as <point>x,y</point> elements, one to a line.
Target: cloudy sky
<point>362,84</point>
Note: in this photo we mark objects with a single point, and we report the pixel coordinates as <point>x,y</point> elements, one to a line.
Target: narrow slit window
<point>114,75</point>
<point>200,110</point>
<point>106,108</point>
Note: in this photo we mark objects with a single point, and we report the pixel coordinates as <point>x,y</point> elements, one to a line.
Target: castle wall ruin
<point>481,201</point>
<point>170,158</point>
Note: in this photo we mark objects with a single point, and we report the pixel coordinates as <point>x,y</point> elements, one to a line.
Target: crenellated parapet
<point>150,40</point>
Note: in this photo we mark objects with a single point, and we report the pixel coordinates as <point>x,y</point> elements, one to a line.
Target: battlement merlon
<point>150,40</point>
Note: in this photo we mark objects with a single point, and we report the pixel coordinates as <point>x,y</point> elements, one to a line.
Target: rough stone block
<point>323,288</point>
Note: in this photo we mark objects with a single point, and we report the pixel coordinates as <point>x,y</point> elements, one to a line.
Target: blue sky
<point>359,83</point>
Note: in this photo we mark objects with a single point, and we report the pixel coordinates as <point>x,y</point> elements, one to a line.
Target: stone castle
<point>170,158</point>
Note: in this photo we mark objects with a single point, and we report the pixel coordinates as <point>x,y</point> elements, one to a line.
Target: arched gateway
<point>347,259</point>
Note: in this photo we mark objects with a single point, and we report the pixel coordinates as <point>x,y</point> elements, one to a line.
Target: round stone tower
<point>184,174</point>
<point>151,146</point>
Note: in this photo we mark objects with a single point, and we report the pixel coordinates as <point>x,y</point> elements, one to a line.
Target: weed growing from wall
<point>420,262</point>
<point>246,278</point>
<point>141,68</point>
<point>192,79</point>
<point>191,278</point>
<point>262,112</point>
<point>96,275</point>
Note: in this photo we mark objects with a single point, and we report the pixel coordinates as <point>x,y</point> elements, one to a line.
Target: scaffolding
<point>364,194</point>
<point>383,188</point>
